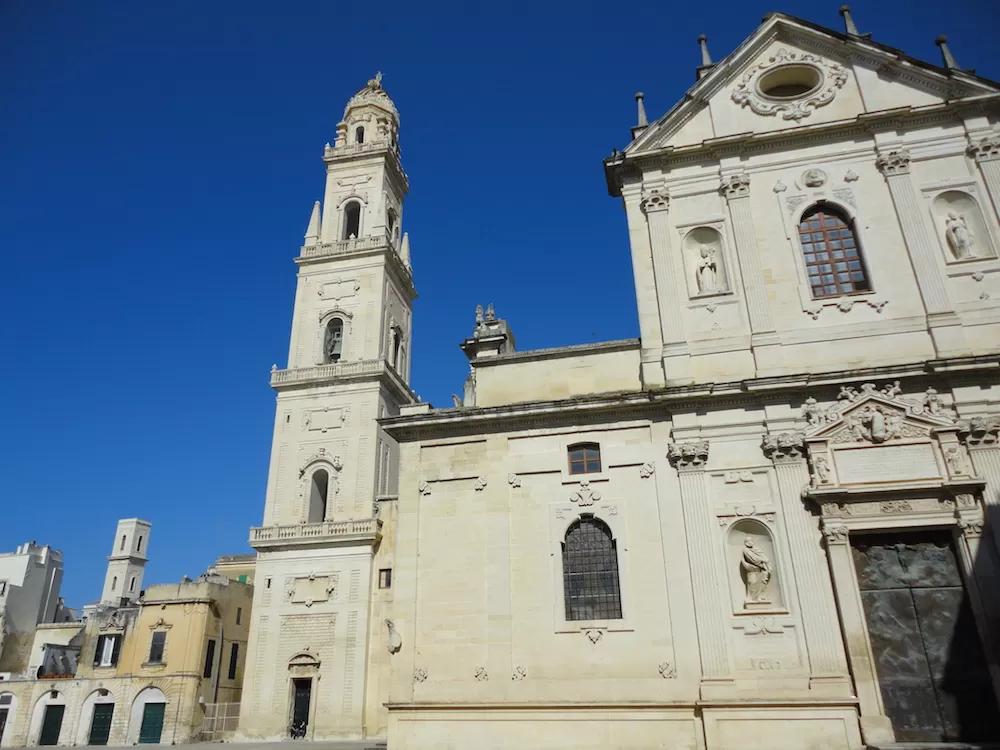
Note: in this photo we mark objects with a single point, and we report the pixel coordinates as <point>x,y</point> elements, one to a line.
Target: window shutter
<point>98,649</point>
<point>116,648</point>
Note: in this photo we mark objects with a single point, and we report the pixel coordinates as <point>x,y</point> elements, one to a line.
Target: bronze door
<point>928,655</point>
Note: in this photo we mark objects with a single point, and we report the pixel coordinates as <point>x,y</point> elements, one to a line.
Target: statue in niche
<point>756,570</point>
<point>960,237</point>
<point>708,271</point>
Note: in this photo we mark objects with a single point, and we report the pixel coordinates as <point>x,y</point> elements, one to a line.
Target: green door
<point>51,725</point>
<point>100,726</point>
<point>152,723</point>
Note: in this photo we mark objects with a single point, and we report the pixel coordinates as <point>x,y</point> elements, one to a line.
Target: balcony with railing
<point>317,373</point>
<point>360,531</point>
<point>343,247</point>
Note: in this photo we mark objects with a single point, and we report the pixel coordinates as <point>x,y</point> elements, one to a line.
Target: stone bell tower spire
<point>333,472</point>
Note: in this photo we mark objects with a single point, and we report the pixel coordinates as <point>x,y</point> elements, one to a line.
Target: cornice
<point>346,155</point>
<point>534,355</point>
<point>299,378</point>
<point>662,403</point>
<point>360,248</point>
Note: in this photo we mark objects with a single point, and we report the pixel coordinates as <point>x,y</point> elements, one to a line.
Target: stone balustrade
<point>324,532</point>
<point>326,372</point>
<point>343,247</point>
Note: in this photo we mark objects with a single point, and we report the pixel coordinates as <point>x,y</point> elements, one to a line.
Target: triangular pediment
<point>849,76</point>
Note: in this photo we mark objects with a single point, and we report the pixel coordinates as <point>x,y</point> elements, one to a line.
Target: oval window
<point>790,81</point>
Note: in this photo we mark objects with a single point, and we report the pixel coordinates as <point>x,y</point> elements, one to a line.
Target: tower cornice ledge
<point>326,533</point>
<point>360,247</point>
<point>367,369</point>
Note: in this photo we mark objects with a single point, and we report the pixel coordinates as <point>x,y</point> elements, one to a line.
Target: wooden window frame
<point>586,463</point>
<point>827,253</point>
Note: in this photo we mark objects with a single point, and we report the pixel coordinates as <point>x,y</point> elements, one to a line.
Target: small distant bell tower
<point>127,561</point>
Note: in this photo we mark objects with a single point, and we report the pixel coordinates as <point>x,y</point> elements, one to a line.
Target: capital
<point>971,527</point>
<point>988,149</point>
<point>893,163</point>
<point>835,533</point>
<point>655,199</point>
<point>688,456</point>
<point>980,430</point>
<point>736,186</point>
<point>784,446</point>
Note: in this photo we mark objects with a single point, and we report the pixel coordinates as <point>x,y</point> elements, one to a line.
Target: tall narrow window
<point>390,224</point>
<point>397,341</point>
<point>234,656</point>
<point>352,220</point>
<point>584,458</point>
<point>239,615</point>
<point>590,572</point>
<point>831,253</point>
<point>121,547</point>
<point>114,583</point>
<point>131,585</point>
<point>359,135</point>
<point>317,496</point>
<point>138,545</point>
<point>333,340</point>
<point>209,659</point>
<point>157,646</point>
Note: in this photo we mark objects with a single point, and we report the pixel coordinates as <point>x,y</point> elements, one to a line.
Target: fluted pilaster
<point>655,204</point>
<point>736,189</point>
<point>986,152</point>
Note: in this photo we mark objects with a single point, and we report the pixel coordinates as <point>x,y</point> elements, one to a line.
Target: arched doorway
<point>145,725</point>
<point>47,719</point>
<point>96,714</point>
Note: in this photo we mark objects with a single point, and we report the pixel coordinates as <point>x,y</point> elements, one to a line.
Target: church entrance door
<point>928,655</point>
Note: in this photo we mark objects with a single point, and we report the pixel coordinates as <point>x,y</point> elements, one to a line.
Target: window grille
<point>590,572</point>
<point>831,252</point>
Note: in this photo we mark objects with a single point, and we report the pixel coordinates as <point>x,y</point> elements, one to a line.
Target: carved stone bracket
<point>688,456</point>
<point>655,199</point>
<point>982,430</point>
<point>784,446</point>
<point>894,163</point>
<point>987,149</point>
<point>835,533</point>
<point>971,527</point>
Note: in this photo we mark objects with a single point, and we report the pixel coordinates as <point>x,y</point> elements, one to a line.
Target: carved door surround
<point>880,462</point>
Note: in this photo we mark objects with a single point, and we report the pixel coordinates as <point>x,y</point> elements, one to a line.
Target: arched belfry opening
<point>333,341</point>
<point>352,221</point>
<point>318,489</point>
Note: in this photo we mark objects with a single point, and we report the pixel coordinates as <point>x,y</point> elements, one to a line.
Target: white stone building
<point>763,524</point>
<point>29,595</point>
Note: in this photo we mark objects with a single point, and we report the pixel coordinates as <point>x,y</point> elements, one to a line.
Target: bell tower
<point>333,471</point>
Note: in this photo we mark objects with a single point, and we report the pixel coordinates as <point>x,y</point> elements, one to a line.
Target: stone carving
<point>763,626</point>
<point>850,176</point>
<point>395,641</point>
<point>978,276</point>
<point>419,674</point>
<point>814,414</point>
<point>846,195</point>
<point>756,571</point>
<point>594,635</point>
<point>980,430</point>
<point>835,534</point>
<point>965,501</point>
<point>480,484</point>
<point>736,186</point>
<point>425,488</point>
<point>585,495</point>
<point>876,424</point>
<point>518,674</point>
<point>667,670</point>
<point>894,163</point>
<point>955,458</point>
<point>646,470</point>
<point>708,271</point>
<point>894,506</point>
<point>688,455</point>
<point>481,675</point>
<point>654,199</point>
<point>732,477</point>
<point>513,480</point>
<point>784,446</point>
<point>984,296</point>
<point>561,514</point>
<point>831,75</point>
<point>821,471</point>
<point>971,527</point>
<point>766,665</point>
<point>612,510</point>
<point>960,237</point>
<point>946,503</point>
<point>322,455</point>
<point>932,402</point>
<point>987,149</point>
<point>814,178</point>
<point>780,187</point>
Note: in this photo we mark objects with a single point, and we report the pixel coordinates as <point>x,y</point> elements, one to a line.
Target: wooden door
<point>928,655</point>
<point>100,725</point>
<point>51,725</point>
<point>152,723</point>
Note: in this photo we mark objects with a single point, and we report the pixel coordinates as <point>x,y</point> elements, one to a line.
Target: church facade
<point>772,521</point>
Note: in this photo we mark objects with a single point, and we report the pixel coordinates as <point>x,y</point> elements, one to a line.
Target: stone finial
<point>643,122</point>
<point>404,249</point>
<point>706,58</point>
<point>947,58</point>
<point>491,336</point>
<point>312,231</point>
<point>845,11</point>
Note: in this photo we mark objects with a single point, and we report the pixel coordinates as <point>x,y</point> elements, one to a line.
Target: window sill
<point>596,476</point>
<point>154,665</point>
<point>582,626</point>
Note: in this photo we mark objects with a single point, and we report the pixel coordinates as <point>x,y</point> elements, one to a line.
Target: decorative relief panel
<point>827,78</point>
<point>339,289</point>
<point>311,588</point>
<point>323,420</point>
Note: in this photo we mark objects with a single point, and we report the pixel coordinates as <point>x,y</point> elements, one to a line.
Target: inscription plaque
<point>886,463</point>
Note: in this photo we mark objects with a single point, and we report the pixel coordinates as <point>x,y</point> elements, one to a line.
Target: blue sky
<point>159,164</point>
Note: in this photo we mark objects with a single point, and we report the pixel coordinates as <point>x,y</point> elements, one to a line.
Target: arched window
<point>390,224</point>
<point>831,252</point>
<point>590,572</point>
<point>359,134</point>
<point>584,458</point>
<point>138,546</point>
<point>317,496</point>
<point>121,547</point>
<point>352,220</point>
<point>333,340</point>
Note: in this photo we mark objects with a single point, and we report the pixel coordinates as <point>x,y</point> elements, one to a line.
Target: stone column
<point>736,189</point>
<point>689,459</point>
<point>982,436</point>
<point>824,645</point>
<point>676,358</point>
<point>987,156</point>
<point>875,725</point>
<point>895,166</point>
